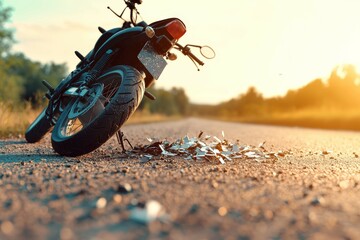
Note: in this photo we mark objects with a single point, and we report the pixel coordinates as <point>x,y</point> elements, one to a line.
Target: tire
<point>38,128</point>
<point>123,90</point>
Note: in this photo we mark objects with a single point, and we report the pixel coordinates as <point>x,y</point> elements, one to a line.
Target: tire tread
<point>120,108</point>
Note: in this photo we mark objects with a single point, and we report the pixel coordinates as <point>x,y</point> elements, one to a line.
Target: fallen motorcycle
<point>93,102</point>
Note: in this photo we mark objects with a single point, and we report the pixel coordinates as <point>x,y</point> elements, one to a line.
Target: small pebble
<point>66,233</point>
<point>222,211</point>
<point>317,201</point>
<point>117,198</point>
<point>101,203</point>
<point>344,184</point>
<point>124,188</point>
<point>194,208</point>
<point>7,227</point>
<point>268,214</point>
<point>214,184</point>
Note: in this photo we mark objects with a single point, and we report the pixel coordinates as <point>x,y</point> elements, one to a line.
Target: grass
<point>322,118</point>
<point>14,119</point>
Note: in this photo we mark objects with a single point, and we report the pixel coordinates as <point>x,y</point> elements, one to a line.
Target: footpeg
<point>79,55</point>
<point>48,86</point>
<point>149,95</point>
<point>101,30</point>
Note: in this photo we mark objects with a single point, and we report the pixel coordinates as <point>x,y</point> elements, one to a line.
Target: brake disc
<point>84,103</point>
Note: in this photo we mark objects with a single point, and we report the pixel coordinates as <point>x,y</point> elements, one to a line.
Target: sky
<point>272,45</point>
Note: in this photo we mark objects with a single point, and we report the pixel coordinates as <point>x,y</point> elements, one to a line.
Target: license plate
<point>152,61</point>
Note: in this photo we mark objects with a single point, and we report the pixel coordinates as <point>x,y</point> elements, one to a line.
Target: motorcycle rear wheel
<point>38,128</point>
<point>84,126</point>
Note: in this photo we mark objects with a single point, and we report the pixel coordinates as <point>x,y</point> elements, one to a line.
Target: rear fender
<point>128,44</point>
<point>117,40</point>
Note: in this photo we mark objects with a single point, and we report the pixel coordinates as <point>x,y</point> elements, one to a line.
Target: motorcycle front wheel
<point>88,122</point>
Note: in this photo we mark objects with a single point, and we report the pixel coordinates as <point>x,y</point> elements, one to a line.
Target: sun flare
<point>272,45</point>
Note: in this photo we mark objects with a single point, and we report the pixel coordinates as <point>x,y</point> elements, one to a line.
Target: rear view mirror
<point>207,52</point>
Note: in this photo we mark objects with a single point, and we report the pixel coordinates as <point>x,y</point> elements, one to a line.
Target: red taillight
<point>176,29</point>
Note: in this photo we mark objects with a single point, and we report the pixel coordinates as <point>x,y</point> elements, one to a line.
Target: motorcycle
<point>93,102</point>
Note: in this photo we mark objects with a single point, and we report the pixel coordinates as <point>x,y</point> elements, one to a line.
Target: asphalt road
<point>312,192</point>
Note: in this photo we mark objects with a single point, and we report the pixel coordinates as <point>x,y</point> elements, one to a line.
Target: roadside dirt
<point>312,193</point>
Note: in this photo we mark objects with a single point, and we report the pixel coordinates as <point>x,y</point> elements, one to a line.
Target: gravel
<point>311,192</point>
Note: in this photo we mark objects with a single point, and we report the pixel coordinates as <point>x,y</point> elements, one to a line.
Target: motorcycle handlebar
<point>195,58</point>
<point>136,1</point>
<point>187,52</point>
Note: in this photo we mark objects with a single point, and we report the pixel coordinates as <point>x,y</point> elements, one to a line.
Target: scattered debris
<point>124,188</point>
<point>326,152</point>
<point>146,158</point>
<point>208,148</point>
<point>317,201</point>
<point>152,211</point>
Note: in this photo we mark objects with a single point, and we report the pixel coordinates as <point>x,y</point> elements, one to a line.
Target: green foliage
<point>173,102</point>
<point>341,91</point>
<point>6,34</point>
<point>20,77</point>
<point>10,86</point>
<point>249,103</point>
<point>343,87</point>
<point>31,73</point>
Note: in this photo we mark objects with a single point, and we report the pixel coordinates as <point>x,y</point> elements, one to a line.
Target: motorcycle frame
<point>121,48</point>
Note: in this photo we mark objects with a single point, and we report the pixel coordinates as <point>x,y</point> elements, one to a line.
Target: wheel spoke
<point>78,127</point>
<point>79,117</point>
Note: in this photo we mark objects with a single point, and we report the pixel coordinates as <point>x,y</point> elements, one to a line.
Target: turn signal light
<point>176,29</point>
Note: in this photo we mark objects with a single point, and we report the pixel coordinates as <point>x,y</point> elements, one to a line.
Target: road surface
<point>313,192</point>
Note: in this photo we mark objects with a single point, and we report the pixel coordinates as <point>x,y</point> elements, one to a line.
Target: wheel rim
<point>81,112</point>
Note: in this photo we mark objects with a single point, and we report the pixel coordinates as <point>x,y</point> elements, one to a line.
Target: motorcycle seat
<point>105,36</point>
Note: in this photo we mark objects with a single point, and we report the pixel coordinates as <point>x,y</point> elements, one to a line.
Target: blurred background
<point>278,62</point>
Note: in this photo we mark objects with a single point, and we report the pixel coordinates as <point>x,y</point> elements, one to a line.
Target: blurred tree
<point>20,77</point>
<point>31,73</point>
<point>252,96</point>
<point>343,87</point>
<point>180,100</point>
<point>249,103</point>
<point>6,34</point>
<point>341,91</point>
<point>173,102</point>
<point>252,102</point>
<point>311,95</point>
<point>10,86</point>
